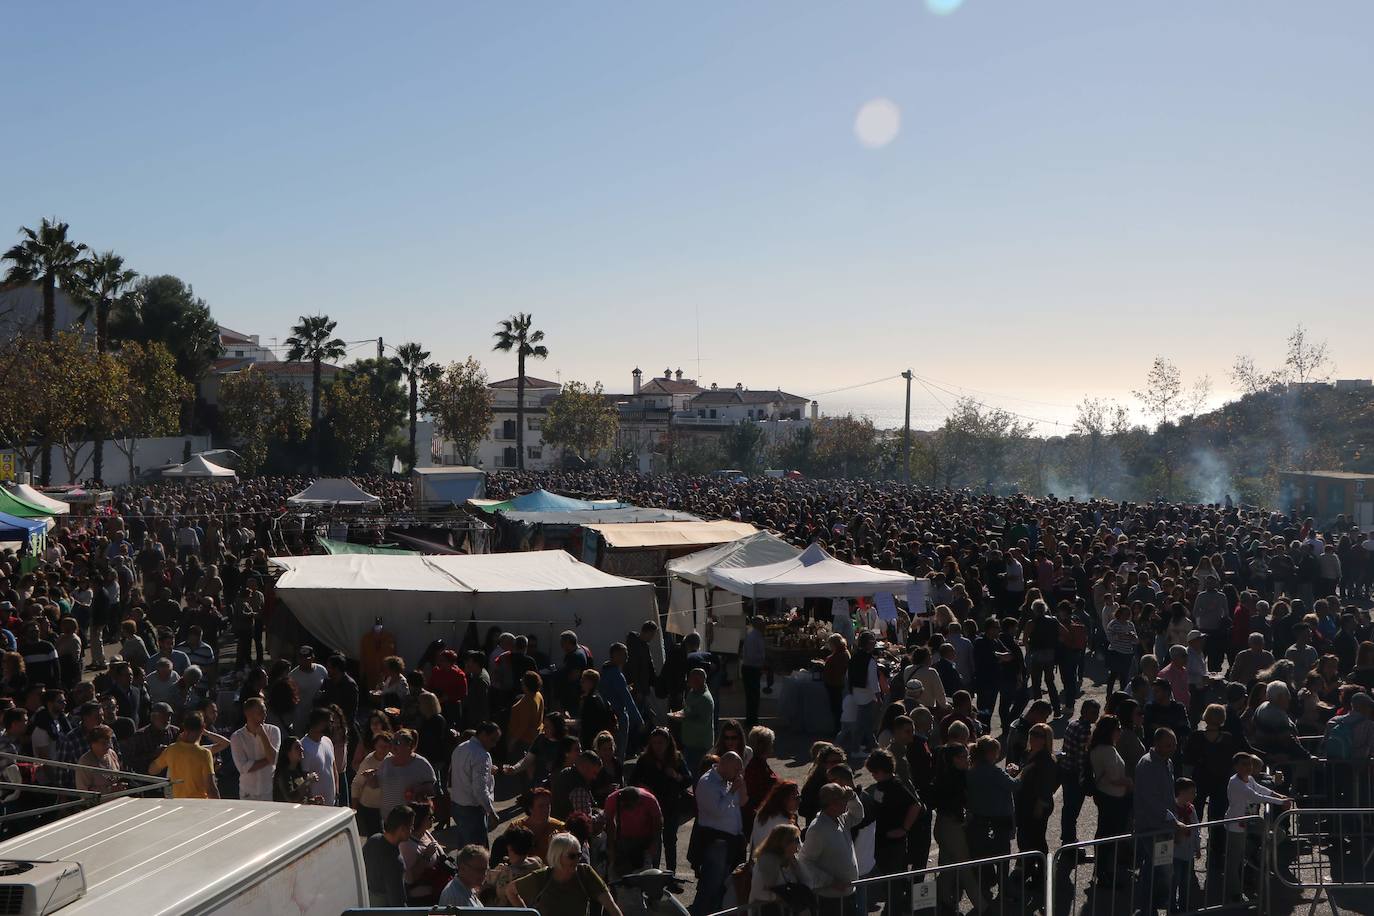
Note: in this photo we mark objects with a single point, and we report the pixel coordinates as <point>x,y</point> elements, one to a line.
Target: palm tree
<point>515,334</point>
<point>101,279</point>
<point>48,257</point>
<point>413,360</point>
<point>311,340</point>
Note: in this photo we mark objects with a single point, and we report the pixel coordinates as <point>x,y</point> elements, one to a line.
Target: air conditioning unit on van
<point>39,888</point>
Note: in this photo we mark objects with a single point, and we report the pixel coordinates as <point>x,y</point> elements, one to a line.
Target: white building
<point>498,449</point>
<point>238,345</point>
<point>21,311</point>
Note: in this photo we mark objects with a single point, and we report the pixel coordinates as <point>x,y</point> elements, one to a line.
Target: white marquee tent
<point>198,467</point>
<point>423,598</point>
<point>812,574</point>
<point>333,491</point>
<point>37,498</point>
<point>691,594</point>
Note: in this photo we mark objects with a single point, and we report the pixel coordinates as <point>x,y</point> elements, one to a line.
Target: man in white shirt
<point>472,784</point>
<point>317,757</point>
<point>254,748</point>
<point>308,676</point>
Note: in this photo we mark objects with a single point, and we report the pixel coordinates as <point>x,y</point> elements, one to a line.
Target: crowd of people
<point>1234,640</point>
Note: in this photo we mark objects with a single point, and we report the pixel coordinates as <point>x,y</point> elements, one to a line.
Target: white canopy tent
<point>334,491</point>
<point>198,467</point>
<point>424,598</point>
<point>813,574</point>
<point>37,498</point>
<point>691,595</point>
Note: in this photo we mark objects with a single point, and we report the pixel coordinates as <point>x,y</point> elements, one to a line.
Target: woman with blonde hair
<point>565,887</point>
<point>776,862</point>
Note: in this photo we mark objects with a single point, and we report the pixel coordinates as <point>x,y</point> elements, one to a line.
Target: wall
<point>151,453</point>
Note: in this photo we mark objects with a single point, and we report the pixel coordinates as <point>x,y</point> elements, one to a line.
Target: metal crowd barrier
<point>1323,848</point>
<point>1158,871</point>
<point>1008,885</point>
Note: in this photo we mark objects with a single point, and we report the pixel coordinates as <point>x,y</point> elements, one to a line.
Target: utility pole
<point>380,348</point>
<point>906,431</point>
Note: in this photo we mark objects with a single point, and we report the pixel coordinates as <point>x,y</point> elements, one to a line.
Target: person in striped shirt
<point>1121,646</point>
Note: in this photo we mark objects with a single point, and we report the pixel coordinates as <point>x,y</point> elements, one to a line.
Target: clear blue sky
<point>1076,186</point>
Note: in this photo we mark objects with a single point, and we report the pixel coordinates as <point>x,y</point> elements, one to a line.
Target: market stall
<point>717,614</point>
<point>334,491</point>
<point>794,640</point>
<point>199,468</point>
<point>423,598</point>
<point>35,497</point>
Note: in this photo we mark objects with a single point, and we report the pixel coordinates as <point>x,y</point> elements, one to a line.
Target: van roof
<point>161,855</point>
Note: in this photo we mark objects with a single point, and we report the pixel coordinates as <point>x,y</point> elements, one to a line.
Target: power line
<point>876,381</point>
<point>995,407</point>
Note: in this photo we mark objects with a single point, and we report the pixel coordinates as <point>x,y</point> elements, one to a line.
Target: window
<point>509,458</point>
<point>701,412</point>
<point>534,452</point>
<point>534,423</point>
<point>713,413</point>
<point>508,429</point>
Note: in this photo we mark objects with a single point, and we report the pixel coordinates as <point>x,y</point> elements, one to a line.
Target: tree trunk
<point>315,416</point>
<point>414,406</point>
<point>102,345</point>
<point>520,412</point>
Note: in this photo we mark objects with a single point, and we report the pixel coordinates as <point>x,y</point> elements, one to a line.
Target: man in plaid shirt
<point>72,746</point>
<point>1072,761</point>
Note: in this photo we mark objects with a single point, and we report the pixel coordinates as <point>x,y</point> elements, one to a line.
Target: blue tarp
<point>13,528</point>
<point>544,501</point>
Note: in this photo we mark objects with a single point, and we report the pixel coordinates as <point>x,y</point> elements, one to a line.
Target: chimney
<point>739,386</point>
<point>714,386</point>
<point>679,375</point>
<point>667,374</point>
<point>638,375</point>
<point>815,410</point>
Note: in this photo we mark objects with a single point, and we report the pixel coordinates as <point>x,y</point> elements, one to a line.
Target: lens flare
<point>878,123</point>
<point>943,7</point>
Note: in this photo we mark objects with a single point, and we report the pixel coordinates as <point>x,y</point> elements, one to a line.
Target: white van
<point>177,857</point>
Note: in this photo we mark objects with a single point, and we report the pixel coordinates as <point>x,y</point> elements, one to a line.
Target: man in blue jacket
<point>616,691</point>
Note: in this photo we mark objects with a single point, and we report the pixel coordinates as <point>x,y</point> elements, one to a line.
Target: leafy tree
<point>743,446</point>
<point>358,422</point>
<point>695,455</point>
<point>384,409</point>
<point>1097,425</point>
<point>29,391</point>
<point>1250,379</point>
<point>413,361</point>
<point>100,280</point>
<point>153,397</point>
<point>311,341</point>
<point>796,452</point>
<point>91,397</point>
<point>1307,360</point>
<point>845,446</point>
<point>517,333</point>
<point>458,400</point>
<point>581,419</point>
<point>1162,396</point>
<point>166,309</point>
<point>48,257</point>
<point>256,412</point>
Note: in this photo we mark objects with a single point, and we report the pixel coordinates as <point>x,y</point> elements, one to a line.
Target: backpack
<point>1340,739</point>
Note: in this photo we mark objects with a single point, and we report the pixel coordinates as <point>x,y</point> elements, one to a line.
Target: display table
<point>804,705</point>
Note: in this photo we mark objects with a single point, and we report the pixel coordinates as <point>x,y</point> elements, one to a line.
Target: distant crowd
<point>1237,648</point>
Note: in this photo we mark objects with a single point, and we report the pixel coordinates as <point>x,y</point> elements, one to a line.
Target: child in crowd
<point>1244,796</point>
<point>1186,845</point>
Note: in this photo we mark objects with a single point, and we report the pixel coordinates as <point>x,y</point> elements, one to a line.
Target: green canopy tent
<point>334,548</point>
<point>13,505</point>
